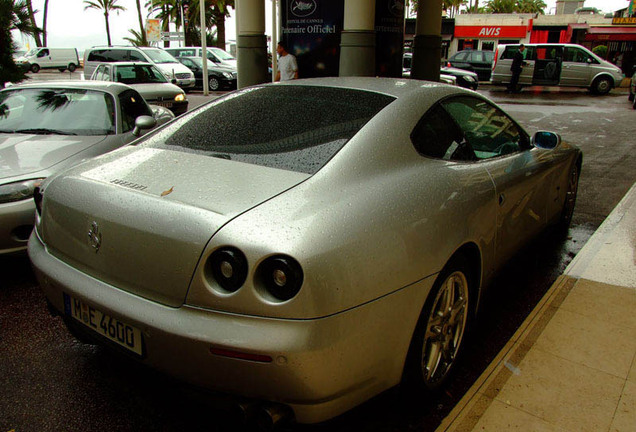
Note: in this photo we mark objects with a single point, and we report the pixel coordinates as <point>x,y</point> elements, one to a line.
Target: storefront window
<point>488,45</point>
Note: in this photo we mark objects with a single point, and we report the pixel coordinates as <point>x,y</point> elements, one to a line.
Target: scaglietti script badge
<point>95,237</point>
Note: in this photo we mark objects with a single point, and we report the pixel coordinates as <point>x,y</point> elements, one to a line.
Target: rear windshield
<point>296,128</point>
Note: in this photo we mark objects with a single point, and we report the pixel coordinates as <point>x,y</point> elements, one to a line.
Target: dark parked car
<point>479,62</point>
<point>218,76</point>
<point>463,78</point>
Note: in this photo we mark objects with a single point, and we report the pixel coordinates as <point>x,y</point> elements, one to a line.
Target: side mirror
<point>173,81</point>
<point>546,140</point>
<point>142,123</point>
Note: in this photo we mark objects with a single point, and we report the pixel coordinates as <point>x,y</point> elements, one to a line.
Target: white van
<point>216,55</point>
<point>555,64</point>
<point>49,58</point>
<point>167,64</point>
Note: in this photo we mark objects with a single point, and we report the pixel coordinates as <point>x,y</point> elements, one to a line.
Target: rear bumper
<point>319,367</point>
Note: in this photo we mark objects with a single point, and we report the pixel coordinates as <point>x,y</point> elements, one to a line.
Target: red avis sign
<point>491,31</point>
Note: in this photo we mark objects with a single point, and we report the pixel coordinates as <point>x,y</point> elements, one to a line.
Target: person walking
<point>287,66</point>
<point>518,63</point>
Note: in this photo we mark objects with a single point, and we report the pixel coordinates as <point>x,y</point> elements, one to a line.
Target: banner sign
<point>624,21</point>
<point>153,30</point>
<point>632,7</point>
<point>311,30</point>
<point>389,39</point>
<point>491,31</point>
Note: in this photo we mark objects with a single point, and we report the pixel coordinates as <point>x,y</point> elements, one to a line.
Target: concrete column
<point>357,40</point>
<point>251,43</point>
<point>427,45</point>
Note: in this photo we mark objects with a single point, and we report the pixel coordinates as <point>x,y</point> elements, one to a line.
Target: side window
<point>97,56</point>
<point>576,55</point>
<point>43,53</point>
<point>476,56</point>
<point>132,106</point>
<point>97,75</point>
<point>436,135</point>
<point>461,56</point>
<point>106,73</point>
<point>135,56</point>
<point>487,129</point>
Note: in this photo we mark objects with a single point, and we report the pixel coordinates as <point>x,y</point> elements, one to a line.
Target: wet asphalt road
<point>51,382</point>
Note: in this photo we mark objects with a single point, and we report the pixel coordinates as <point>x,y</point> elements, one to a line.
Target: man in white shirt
<point>287,66</point>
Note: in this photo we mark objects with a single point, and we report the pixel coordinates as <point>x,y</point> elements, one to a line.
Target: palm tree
<point>44,19</point>
<point>107,6</point>
<point>531,6</point>
<point>142,32</point>
<point>38,40</point>
<point>14,15</point>
<point>167,11</point>
<point>453,6</point>
<point>501,6</point>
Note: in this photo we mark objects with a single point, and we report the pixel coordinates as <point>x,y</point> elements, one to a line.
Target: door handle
<point>502,199</point>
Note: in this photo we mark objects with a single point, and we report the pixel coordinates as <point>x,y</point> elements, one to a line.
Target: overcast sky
<point>69,25</point>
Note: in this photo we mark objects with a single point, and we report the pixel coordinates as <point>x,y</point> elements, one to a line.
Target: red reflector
<point>241,355</point>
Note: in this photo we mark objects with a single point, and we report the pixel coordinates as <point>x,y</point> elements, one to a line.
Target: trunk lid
<point>139,220</point>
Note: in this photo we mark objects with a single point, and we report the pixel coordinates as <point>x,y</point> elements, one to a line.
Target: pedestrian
<point>287,66</point>
<point>518,63</point>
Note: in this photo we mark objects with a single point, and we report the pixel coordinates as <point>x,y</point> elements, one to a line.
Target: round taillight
<point>228,267</point>
<point>282,276</point>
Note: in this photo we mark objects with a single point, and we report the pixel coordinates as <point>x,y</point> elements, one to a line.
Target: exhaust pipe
<point>271,416</point>
<point>243,412</point>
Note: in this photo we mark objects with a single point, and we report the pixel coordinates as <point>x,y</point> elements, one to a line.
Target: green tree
<point>14,15</point>
<point>453,6</point>
<point>31,11</point>
<point>107,6</point>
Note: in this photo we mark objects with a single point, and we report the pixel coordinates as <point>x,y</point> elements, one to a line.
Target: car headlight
<point>469,78</point>
<point>227,75</point>
<point>281,276</point>
<point>18,191</point>
<point>180,97</point>
<point>228,267</point>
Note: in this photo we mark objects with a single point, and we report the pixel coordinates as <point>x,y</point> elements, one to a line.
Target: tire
<point>570,198</point>
<point>72,67</point>
<point>35,68</point>
<point>601,85</point>
<point>443,323</point>
<point>214,83</point>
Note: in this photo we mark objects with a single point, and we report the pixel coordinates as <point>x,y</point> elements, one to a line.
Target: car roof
<point>396,87</point>
<point>105,86</point>
<point>131,63</point>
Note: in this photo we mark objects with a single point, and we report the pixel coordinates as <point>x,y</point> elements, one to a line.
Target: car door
<point>515,168</point>
<point>576,67</point>
<point>547,65</point>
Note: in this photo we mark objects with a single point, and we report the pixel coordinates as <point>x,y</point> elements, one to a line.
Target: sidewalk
<point>571,366</point>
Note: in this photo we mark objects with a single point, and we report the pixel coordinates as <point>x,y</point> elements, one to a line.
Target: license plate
<point>164,104</point>
<point>111,328</point>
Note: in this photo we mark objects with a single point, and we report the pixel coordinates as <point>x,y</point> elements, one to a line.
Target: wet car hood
<point>155,91</point>
<point>22,154</point>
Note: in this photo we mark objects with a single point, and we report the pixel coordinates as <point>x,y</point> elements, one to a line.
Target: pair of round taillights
<point>280,275</point>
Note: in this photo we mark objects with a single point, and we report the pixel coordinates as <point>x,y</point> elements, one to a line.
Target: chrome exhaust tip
<point>272,416</point>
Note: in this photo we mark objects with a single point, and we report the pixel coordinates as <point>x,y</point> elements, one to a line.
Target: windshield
<point>295,128</point>
<point>160,56</point>
<point>139,74</point>
<point>57,111</point>
<point>32,52</point>
<point>223,55</point>
<point>198,61</point>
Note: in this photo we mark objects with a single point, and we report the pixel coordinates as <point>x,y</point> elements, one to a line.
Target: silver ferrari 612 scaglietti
<point>305,244</point>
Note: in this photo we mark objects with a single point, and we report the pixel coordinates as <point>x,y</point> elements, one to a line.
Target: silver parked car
<point>551,64</point>
<point>148,81</point>
<point>308,256</point>
<point>46,127</point>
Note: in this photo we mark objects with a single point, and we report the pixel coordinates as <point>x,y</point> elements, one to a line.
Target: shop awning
<point>611,34</point>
